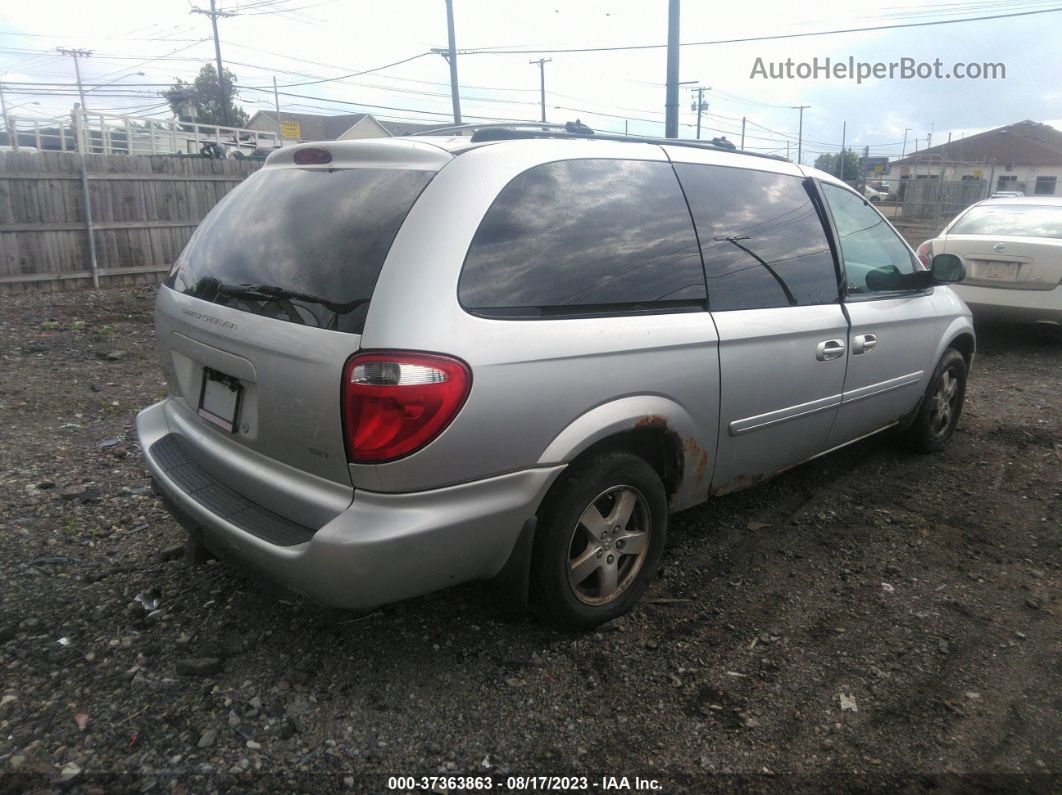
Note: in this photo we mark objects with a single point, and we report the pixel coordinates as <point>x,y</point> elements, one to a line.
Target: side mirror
<point>947,269</point>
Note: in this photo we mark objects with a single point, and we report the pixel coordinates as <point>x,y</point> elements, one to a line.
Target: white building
<point>1025,157</point>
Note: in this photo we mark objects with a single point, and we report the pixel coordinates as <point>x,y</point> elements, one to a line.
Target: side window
<point>762,238</point>
<point>874,256</point>
<point>578,237</point>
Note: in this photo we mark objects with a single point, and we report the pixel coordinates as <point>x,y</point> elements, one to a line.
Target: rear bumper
<point>1023,306</point>
<point>382,548</point>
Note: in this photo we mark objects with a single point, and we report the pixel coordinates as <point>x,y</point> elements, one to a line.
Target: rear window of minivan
<point>301,245</point>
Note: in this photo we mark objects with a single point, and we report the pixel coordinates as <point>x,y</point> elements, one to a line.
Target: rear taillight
<point>395,403</point>
<point>925,253</point>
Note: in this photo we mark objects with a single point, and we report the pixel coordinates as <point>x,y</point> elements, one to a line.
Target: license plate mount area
<point>219,399</point>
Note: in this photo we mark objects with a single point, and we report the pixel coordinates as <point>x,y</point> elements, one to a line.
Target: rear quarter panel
<point>532,379</point>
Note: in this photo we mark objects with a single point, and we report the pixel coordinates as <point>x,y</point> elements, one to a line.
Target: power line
<point>775,37</point>
<point>355,74</point>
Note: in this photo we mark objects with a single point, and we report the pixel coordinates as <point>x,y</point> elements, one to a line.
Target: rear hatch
<point>269,298</point>
<point>1009,246</point>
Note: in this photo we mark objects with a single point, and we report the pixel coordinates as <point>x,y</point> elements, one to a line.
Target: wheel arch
<point>651,426</point>
<point>966,344</point>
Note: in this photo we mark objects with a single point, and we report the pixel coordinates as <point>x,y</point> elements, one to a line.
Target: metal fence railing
<point>116,134</point>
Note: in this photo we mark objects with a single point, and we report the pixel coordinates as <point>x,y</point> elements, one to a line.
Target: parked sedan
<point>1012,249</point>
<point>876,193</point>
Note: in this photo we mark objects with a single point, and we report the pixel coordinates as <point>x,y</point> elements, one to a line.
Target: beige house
<point>301,127</point>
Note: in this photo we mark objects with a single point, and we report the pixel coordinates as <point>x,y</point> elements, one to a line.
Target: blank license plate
<point>1001,271</point>
<point>219,400</point>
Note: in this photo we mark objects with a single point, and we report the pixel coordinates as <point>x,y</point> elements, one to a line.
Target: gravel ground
<point>873,618</point>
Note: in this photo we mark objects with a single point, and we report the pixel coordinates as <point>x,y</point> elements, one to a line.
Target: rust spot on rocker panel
<point>740,483</point>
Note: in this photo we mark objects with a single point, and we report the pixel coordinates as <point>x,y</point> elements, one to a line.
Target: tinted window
<point>874,255</point>
<point>762,238</point>
<point>583,237</point>
<point>318,234</point>
<point>1026,220</point>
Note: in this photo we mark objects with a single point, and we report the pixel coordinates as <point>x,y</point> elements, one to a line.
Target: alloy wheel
<point>609,545</point>
<point>943,403</point>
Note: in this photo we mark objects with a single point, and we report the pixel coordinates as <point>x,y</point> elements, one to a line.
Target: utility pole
<point>75,54</point>
<point>903,150</point>
<point>542,81</point>
<point>800,134</point>
<point>699,106</point>
<point>82,145</point>
<point>226,100</point>
<point>844,133</point>
<point>671,102</point>
<point>3,115</point>
<point>452,58</point>
<point>276,105</point>
<point>742,133</point>
<point>81,130</point>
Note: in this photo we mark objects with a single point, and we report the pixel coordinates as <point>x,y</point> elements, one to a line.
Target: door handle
<point>864,343</point>
<point>829,349</point>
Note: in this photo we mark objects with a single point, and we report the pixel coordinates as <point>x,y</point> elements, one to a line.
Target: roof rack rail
<point>540,125</point>
<point>511,131</point>
<point>516,130</point>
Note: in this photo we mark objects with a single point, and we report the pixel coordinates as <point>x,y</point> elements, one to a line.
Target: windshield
<point>302,245</point>
<point>1019,220</point>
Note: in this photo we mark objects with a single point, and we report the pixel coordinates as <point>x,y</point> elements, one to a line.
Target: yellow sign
<point>878,169</point>
<point>290,130</point>
<point>977,173</point>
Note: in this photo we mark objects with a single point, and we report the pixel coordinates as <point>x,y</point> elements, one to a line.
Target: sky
<point>311,46</point>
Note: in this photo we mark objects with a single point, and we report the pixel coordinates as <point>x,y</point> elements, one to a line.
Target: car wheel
<point>599,540</point>
<point>942,405</point>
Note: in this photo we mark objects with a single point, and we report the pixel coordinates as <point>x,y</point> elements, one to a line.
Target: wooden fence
<point>144,208</point>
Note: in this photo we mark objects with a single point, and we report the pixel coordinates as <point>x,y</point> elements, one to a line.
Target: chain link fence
<point>923,198</point>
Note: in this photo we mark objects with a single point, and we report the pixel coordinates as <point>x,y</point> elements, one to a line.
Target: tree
<point>202,101</point>
<point>831,164</point>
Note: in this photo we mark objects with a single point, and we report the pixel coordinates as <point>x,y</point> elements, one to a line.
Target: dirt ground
<point>873,618</point>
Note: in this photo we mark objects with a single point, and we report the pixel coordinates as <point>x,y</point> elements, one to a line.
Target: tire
<point>588,568</point>
<point>941,407</point>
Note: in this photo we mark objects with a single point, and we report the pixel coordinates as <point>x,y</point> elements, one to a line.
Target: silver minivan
<point>397,365</point>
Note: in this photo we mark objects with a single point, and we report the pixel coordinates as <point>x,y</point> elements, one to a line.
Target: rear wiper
<point>273,293</point>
